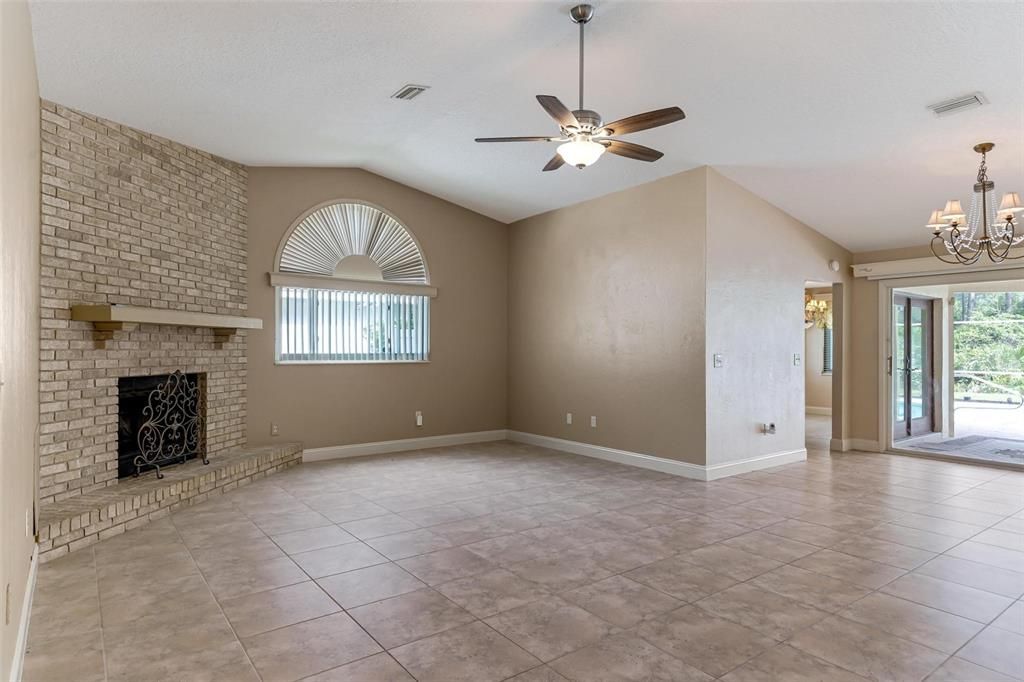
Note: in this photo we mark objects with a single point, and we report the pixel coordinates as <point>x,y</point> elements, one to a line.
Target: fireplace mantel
<point>107,319</point>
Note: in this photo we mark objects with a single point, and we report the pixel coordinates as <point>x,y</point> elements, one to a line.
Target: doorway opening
<point>819,360</point>
<point>957,370</point>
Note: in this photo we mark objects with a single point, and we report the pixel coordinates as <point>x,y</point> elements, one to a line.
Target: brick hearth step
<point>67,525</point>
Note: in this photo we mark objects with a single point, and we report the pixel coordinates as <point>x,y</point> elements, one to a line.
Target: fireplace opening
<point>161,421</point>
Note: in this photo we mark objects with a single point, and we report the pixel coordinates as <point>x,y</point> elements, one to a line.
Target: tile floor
<point>503,561</point>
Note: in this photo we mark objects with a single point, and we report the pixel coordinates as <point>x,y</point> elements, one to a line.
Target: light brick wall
<point>132,218</point>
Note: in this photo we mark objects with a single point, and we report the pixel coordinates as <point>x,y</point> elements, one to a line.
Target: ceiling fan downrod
<point>581,14</point>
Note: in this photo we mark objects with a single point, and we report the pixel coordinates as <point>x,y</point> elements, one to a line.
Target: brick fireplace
<point>134,219</point>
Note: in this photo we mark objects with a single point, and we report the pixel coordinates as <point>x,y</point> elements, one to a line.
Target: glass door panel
<point>912,372</point>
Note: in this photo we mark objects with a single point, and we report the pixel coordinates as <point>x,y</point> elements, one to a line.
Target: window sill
<point>286,363</point>
<point>826,374</point>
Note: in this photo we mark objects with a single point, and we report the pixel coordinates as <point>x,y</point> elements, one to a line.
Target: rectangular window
<point>826,355</point>
<point>322,325</point>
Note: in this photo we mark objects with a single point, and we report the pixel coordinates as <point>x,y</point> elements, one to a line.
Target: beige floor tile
<point>625,658</point>
<point>884,552</point>
<point>980,576</point>
<point>704,641</point>
<point>951,597</point>
<point>508,549</point>
<point>409,617</point>
<point>1008,559</point>
<point>561,571</point>
<point>915,622</point>
<point>300,650</point>
<point>913,537</point>
<point>376,526</point>
<point>769,613</point>
<point>469,653</point>
<point>996,649</point>
<point>58,617</point>
<point>446,564</point>
<point>954,529</point>
<point>257,613</point>
<point>410,543</point>
<point>550,628</point>
<point>771,546</point>
<point>492,592</point>
<point>851,569</point>
<point>250,552</point>
<point>868,652</point>
<point>540,674</point>
<point>735,563</point>
<point>958,670</point>
<point>134,599</point>
<point>621,601</point>
<point>276,522</point>
<point>784,663</point>
<point>1012,619</point>
<point>1001,538</point>
<point>809,533</point>
<point>76,657</point>
<point>352,511</point>
<point>370,584</point>
<point>312,538</point>
<point>808,587</point>
<point>376,668</point>
<point>330,560</point>
<point>681,579</point>
<point>234,580</point>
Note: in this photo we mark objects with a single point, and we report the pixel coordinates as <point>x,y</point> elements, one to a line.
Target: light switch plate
<point>796,359</point>
<point>718,360</point>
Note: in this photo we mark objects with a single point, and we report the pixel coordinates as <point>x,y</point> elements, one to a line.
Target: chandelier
<point>965,238</point>
<point>817,313</point>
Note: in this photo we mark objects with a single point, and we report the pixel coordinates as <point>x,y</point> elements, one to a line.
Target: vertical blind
<point>826,354</point>
<point>321,325</point>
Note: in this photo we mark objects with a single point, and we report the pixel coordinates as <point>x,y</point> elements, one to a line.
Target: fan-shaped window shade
<point>326,237</point>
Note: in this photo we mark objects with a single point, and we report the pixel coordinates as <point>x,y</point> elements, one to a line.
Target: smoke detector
<point>958,104</point>
<point>410,91</point>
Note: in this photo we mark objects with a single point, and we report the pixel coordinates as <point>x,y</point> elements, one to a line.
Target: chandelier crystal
<point>984,230</point>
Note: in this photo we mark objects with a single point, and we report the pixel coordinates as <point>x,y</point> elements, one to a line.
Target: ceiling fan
<point>584,136</point>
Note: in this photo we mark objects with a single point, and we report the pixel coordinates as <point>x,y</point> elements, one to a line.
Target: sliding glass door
<point>912,367</point>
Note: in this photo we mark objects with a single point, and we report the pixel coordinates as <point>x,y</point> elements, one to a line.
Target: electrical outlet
<point>768,429</point>
<point>568,417</point>
<point>593,422</point>
<point>274,430</point>
<point>419,418</point>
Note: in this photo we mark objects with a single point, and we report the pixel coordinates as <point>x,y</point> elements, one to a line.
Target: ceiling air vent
<point>410,91</point>
<point>958,104</point>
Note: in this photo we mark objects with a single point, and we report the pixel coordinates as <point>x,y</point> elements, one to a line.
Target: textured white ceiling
<point>819,107</point>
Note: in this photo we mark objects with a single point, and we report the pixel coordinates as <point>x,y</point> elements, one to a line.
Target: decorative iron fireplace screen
<point>161,422</point>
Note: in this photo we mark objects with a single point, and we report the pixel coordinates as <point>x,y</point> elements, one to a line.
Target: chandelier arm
<point>954,240</point>
<point>938,255</point>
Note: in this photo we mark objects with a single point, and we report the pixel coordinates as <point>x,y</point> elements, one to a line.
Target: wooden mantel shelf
<point>107,319</point>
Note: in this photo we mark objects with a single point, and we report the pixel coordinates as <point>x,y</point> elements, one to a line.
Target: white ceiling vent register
<point>353,240</point>
<point>958,104</point>
<point>410,91</point>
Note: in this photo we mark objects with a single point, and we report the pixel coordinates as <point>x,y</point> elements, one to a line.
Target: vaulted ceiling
<point>819,107</point>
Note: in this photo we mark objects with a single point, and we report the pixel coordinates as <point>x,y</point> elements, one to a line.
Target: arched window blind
<point>351,287</point>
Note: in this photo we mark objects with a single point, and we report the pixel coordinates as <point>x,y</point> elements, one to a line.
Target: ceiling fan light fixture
<point>581,153</point>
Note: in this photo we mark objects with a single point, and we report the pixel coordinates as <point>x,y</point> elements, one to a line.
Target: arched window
<point>352,286</point>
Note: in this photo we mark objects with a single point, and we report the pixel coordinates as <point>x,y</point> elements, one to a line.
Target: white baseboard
<point>21,642</point>
<point>774,459</point>
<point>811,409</point>
<point>667,466</point>
<point>403,445</point>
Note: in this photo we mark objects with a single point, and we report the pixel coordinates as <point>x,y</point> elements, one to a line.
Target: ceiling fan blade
<point>555,163</point>
<point>632,151</point>
<point>649,119</point>
<point>516,139</point>
<point>558,111</point>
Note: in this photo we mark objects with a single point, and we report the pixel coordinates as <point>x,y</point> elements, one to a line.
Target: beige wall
<point>606,315</point>
<point>461,389</point>
<point>758,260</point>
<point>19,311</point>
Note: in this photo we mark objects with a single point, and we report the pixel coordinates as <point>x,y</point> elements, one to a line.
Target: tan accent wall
<point>606,314</point>
<point>19,313</point>
<point>132,218</point>
<point>758,260</point>
<point>461,389</point>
